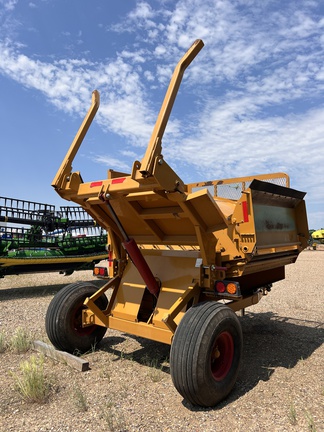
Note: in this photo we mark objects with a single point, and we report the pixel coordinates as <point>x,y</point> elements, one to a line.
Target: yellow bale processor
<point>184,258</point>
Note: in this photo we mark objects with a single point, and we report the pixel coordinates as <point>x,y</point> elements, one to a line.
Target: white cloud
<point>108,161</point>
<point>142,16</point>
<point>160,50</point>
<point>142,11</point>
<point>134,56</point>
<point>68,84</point>
<point>8,5</point>
<point>149,76</point>
<point>129,154</point>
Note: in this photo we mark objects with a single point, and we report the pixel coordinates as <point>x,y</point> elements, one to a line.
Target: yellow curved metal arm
<point>65,169</point>
<point>154,147</point>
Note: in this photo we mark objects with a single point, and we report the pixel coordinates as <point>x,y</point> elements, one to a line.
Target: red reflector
<point>96,184</point>
<point>110,259</point>
<point>118,180</point>
<point>227,288</point>
<point>220,287</point>
<point>245,211</point>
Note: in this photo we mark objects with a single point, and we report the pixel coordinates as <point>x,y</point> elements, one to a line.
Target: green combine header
<point>34,237</point>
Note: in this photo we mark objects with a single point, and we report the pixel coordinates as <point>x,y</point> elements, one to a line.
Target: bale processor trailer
<point>184,258</point>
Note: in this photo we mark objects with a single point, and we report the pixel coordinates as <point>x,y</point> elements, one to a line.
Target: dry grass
<point>3,343</point>
<point>20,341</point>
<point>31,383</point>
<point>80,399</point>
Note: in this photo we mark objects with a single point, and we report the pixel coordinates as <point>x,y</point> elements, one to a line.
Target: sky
<point>251,102</point>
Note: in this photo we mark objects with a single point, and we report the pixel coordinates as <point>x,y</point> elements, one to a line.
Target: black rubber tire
<point>63,319</point>
<point>206,353</point>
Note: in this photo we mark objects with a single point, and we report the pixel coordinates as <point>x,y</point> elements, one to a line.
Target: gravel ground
<point>128,388</point>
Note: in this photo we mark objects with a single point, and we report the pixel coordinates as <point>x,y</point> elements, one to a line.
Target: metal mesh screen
<point>232,189</point>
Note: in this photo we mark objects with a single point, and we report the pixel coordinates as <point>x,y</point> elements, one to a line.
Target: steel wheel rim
<point>222,356</point>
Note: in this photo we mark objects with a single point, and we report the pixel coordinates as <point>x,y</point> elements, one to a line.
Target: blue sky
<point>250,103</point>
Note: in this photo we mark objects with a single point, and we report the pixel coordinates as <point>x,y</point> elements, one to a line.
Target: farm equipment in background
<point>318,236</point>
<point>34,237</point>
<point>184,258</point>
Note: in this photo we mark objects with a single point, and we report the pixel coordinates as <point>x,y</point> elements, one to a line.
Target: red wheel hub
<point>222,356</point>
<point>76,322</point>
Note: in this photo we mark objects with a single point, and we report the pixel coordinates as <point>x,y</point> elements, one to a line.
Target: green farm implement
<point>34,237</point>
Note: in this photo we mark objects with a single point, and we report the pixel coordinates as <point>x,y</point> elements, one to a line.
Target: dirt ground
<point>280,386</point>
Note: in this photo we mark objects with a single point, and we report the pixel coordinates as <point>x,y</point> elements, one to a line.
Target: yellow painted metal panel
<point>141,329</point>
